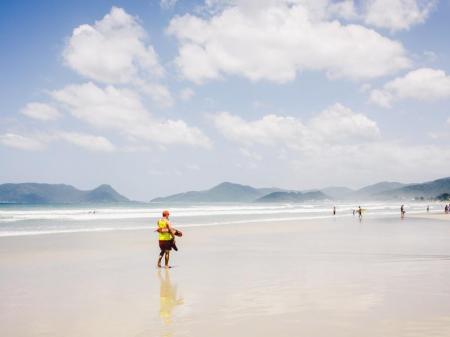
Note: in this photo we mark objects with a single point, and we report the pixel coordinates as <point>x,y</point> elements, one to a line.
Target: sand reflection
<point>168,298</point>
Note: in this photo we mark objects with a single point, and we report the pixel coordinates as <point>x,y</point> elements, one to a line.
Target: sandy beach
<point>332,277</point>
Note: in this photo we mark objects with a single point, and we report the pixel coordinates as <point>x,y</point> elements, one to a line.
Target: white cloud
<point>339,124</point>
<point>397,14</point>
<point>86,141</point>
<point>39,141</point>
<point>250,154</point>
<point>424,84</point>
<point>186,94</point>
<point>167,4</point>
<point>269,130</point>
<point>335,144</point>
<point>278,39</point>
<point>40,111</point>
<point>123,111</point>
<point>21,142</point>
<point>113,50</point>
<point>343,9</point>
<point>373,161</point>
<point>335,125</point>
<point>157,92</point>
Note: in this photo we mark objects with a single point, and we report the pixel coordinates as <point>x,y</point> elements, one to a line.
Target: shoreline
<point>226,223</point>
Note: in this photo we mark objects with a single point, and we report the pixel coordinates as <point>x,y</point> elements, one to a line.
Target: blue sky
<point>159,97</point>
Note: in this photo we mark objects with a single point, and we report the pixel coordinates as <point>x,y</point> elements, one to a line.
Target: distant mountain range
<point>427,190</point>
<point>230,192</point>
<point>224,192</point>
<point>33,193</point>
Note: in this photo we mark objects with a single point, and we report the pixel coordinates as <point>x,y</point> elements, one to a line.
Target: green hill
<point>224,192</point>
<point>429,189</point>
<point>293,197</point>
<point>230,192</point>
<point>34,193</point>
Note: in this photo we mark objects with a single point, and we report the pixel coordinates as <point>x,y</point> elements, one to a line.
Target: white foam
<point>22,221</point>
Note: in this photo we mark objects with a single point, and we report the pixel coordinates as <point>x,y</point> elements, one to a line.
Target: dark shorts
<point>165,244</point>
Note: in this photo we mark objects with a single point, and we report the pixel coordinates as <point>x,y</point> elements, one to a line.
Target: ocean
<point>18,220</point>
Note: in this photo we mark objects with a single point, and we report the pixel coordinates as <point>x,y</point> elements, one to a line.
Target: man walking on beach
<point>166,238</point>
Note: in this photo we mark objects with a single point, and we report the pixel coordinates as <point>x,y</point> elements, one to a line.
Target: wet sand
<point>431,216</point>
<point>333,277</point>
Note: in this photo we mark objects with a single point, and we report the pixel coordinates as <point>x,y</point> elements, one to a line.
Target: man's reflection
<point>167,296</point>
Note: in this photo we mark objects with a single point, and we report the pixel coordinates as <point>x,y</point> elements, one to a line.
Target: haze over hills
<point>381,187</point>
<point>230,192</point>
<point>293,197</point>
<point>34,193</point>
<point>338,192</point>
<point>224,192</point>
<point>430,189</point>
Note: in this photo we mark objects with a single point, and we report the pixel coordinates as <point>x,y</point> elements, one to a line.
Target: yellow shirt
<point>162,223</point>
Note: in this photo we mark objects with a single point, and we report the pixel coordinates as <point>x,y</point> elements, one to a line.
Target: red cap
<point>165,213</point>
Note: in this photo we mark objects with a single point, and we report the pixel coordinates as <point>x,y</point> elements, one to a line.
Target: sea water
<point>18,220</point>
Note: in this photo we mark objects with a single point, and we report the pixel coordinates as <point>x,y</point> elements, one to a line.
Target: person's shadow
<point>168,299</point>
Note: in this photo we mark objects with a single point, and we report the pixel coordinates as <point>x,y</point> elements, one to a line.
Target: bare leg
<point>160,258</point>
<point>166,259</point>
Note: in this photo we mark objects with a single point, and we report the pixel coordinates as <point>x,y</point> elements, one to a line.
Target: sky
<point>160,97</point>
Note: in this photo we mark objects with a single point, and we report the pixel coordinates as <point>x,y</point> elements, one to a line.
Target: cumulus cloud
<point>390,14</point>
<point>113,50</point>
<point>269,130</point>
<point>86,141</point>
<point>40,111</point>
<point>122,110</point>
<point>339,124</point>
<point>159,93</point>
<point>39,141</point>
<point>276,40</point>
<point>21,142</point>
<point>335,125</point>
<point>424,84</point>
<point>397,14</point>
<point>335,144</point>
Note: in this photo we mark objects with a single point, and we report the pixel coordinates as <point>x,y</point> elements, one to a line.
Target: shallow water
<point>328,277</point>
<point>18,220</point>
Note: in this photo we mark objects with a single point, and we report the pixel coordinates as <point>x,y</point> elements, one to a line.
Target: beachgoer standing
<point>359,212</point>
<point>166,238</point>
<point>428,208</point>
<point>334,210</point>
<point>402,211</point>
